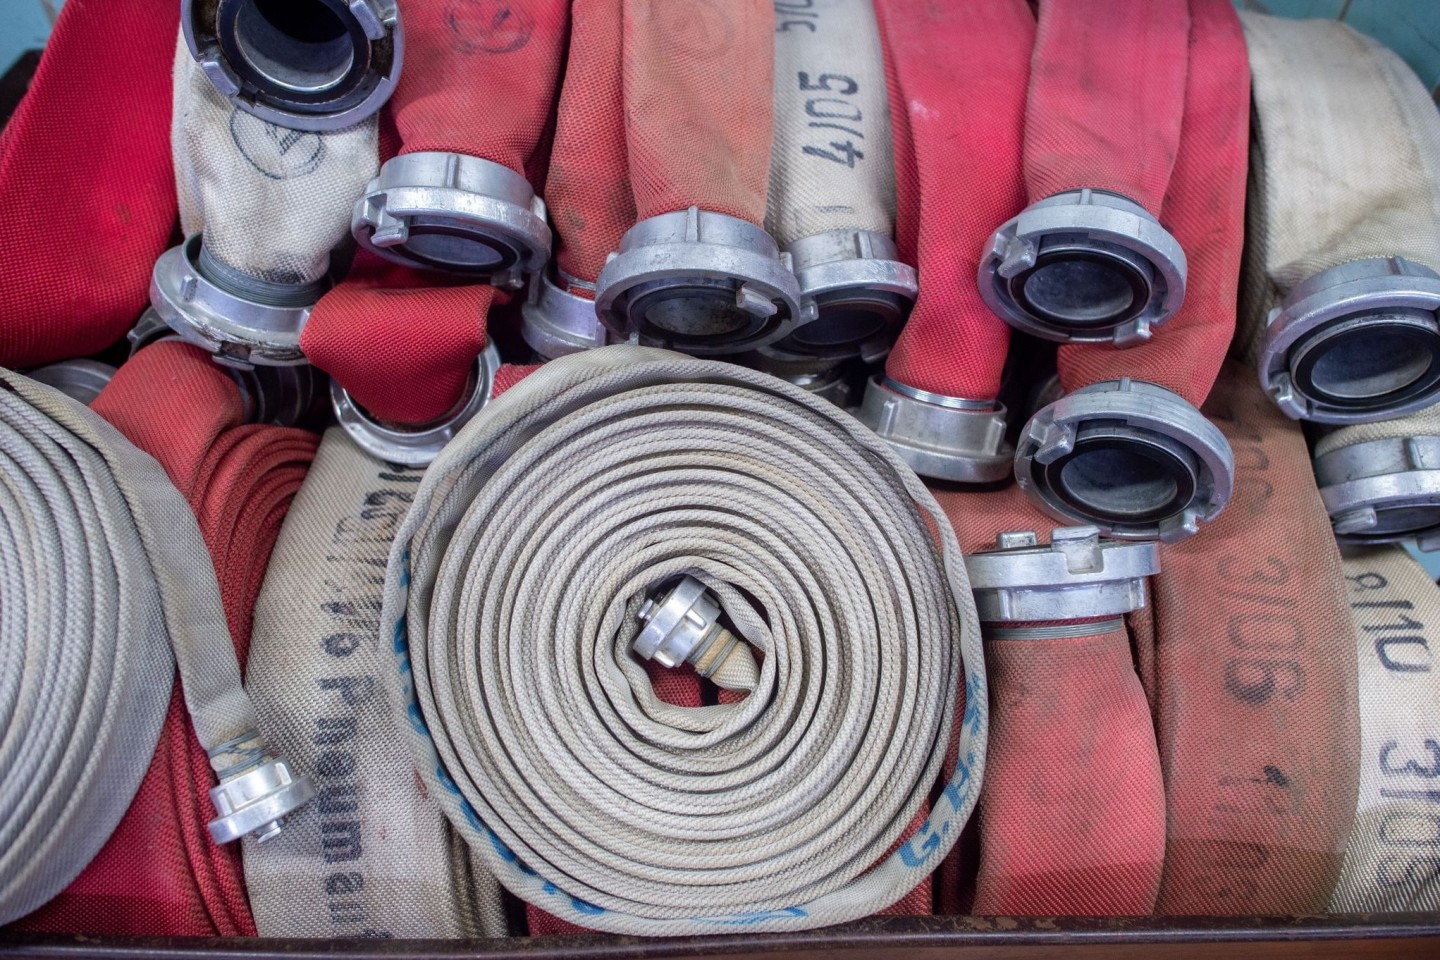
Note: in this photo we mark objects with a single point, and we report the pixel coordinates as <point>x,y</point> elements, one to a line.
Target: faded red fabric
<point>480,77</point>
<point>86,182</point>
<point>588,192</point>
<point>160,873</point>
<point>699,104</point>
<point>1254,680</point>
<point>1072,810</point>
<point>1107,92</point>
<point>1205,211</point>
<point>402,341</point>
<point>957,74</point>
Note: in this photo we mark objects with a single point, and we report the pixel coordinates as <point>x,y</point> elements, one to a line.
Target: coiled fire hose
<point>959,70</point>
<point>1339,311</point>
<point>75,484</point>
<point>262,208</point>
<point>1084,832</point>
<point>1126,449</point>
<point>540,733</point>
<point>1088,260</point>
<point>161,872</point>
<point>103,147</point>
<point>697,271</point>
<point>1251,633</point>
<point>832,186</point>
<point>456,197</point>
<point>1393,859</point>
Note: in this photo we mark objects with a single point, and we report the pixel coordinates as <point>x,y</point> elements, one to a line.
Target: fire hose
<point>1126,448</point>
<point>959,72</point>
<point>1339,313</point>
<point>152,589</point>
<point>544,740</point>
<point>1088,260</point>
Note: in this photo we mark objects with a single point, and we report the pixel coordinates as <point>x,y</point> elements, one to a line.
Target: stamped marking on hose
<point>488,26</point>
<point>274,151</point>
<point>1409,765</point>
<point>832,106</point>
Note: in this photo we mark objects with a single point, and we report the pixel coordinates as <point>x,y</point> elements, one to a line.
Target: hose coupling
<point>1383,491</point>
<point>557,321</point>
<point>944,438</point>
<point>1084,266</point>
<point>257,800</point>
<point>682,625</point>
<point>1356,343</point>
<point>854,291</point>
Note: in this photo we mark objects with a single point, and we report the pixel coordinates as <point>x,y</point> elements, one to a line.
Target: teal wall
<point>26,25</point>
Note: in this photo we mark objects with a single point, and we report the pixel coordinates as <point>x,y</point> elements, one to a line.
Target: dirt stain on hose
<point>488,26</point>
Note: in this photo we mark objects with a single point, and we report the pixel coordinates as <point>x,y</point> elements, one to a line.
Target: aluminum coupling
<point>682,625</point>
<point>80,380</point>
<point>1084,266</point>
<point>854,292</point>
<point>556,321</point>
<point>1355,343</point>
<point>944,438</point>
<point>303,64</point>
<point>242,320</point>
<point>416,445</point>
<point>257,800</point>
<point>1132,458</point>
<point>1076,576</point>
<point>825,377</point>
<point>457,214</point>
<point>1383,491</point>
<point>702,283</point>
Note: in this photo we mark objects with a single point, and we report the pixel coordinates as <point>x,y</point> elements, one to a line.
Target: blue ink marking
<point>750,919</point>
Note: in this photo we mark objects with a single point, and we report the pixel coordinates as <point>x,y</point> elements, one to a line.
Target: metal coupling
<point>1132,458</point>
<point>556,322</point>
<point>80,380</point>
<point>1075,576</point>
<point>1383,491</point>
<point>457,214</point>
<point>1355,343</point>
<point>242,320</point>
<point>303,64</point>
<point>1084,266</point>
<point>416,445</point>
<point>257,801</point>
<point>854,291</point>
<point>682,624</point>
<point>702,283</point>
<point>944,438</point>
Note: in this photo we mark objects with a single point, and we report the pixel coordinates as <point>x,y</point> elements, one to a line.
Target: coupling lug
<point>457,214</point>
<point>1077,576</point>
<point>703,283</point>
<point>418,444</point>
<point>257,801</point>
<point>1356,343</point>
<point>1084,266</point>
<point>944,438</point>
<point>1132,458</point>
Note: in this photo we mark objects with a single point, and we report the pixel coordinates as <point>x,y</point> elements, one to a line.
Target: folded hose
<point>1128,450</point>
<point>959,70</point>
<point>513,607</point>
<point>1341,292</point>
<point>1084,832</point>
<point>100,148</point>
<point>1252,674</point>
<point>1393,859</point>
<point>160,872</point>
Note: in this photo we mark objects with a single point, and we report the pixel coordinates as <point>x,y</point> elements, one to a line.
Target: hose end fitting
<point>1356,343</point>
<point>457,214</point>
<point>257,801</point>
<point>418,444</point>
<point>80,380</point>
<point>944,438</point>
<point>1076,576</point>
<point>556,322</point>
<point>313,65</point>
<point>242,321</point>
<point>1132,458</point>
<point>854,291</point>
<point>1084,266</point>
<point>1383,491</point>
<point>682,625</point>
<point>703,283</point>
